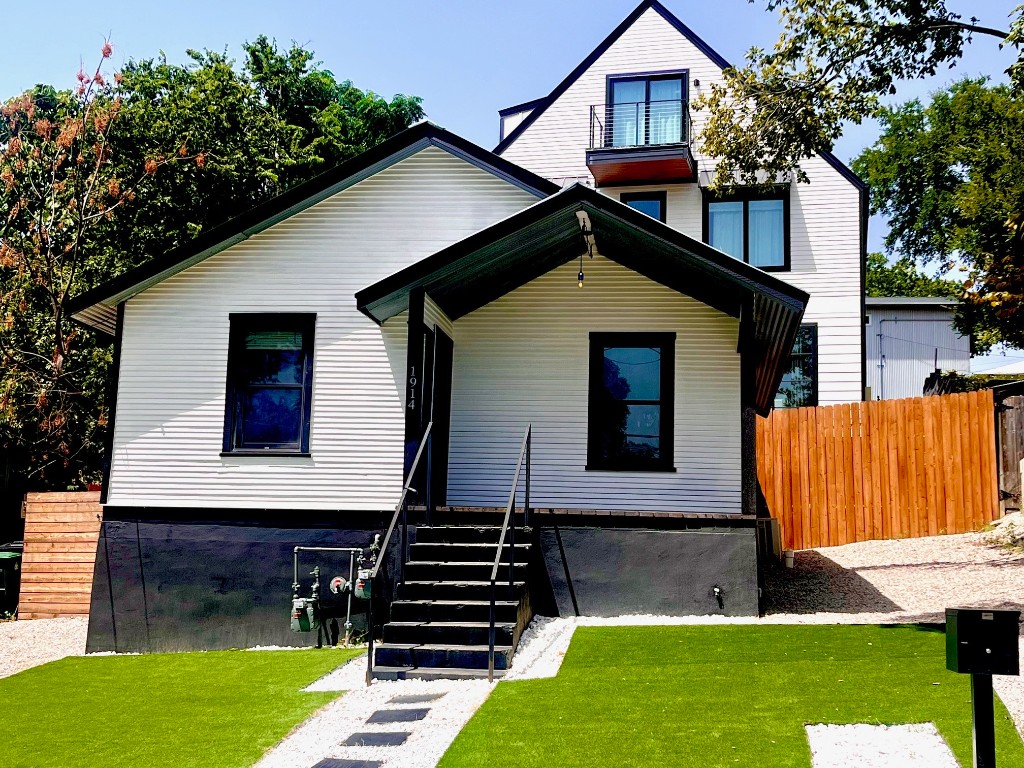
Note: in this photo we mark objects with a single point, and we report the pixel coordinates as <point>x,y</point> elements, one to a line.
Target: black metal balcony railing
<point>639,124</point>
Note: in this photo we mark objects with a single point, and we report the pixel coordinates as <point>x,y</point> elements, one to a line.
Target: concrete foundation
<point>628,571</point>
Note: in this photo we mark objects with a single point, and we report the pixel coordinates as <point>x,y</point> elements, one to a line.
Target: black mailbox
<point>982,642</point>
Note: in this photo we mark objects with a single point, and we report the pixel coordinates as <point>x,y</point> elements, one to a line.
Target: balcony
<point>641,142</point>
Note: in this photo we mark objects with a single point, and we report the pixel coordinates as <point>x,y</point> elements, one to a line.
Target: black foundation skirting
<point>609,571</point>
<point>176,585</point>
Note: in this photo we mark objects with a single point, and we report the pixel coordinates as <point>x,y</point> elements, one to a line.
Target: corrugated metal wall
<point>170,414</point>
<point>824,215</point>
<point>524,358</point>
<point>910,339</point>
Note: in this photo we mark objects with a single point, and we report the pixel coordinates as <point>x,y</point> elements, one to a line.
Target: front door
<point>433,404</point>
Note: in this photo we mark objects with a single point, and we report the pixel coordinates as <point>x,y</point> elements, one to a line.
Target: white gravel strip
<point>320,737</point>
<point>26,644</point>
<point>541,648</point>
<point>879,746</point>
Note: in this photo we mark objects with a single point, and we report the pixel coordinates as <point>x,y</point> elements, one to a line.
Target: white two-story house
<point>420,320</point>
<point>621,121</point>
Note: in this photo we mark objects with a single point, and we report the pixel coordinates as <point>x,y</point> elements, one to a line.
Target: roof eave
<point>261,217</point>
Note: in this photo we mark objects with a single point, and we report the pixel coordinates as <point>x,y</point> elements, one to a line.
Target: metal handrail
<point>401,510</point>
<point>509,524</point>
<point>603,118</point>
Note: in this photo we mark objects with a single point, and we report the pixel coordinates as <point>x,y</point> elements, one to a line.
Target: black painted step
<point>448,633</point>
<point>465,534</point>
<point>456,571</point>
<point>453,610</point>
<point>381,672</point>
<point>434,656</point>
<point>475,552</point>
<point>462,591</point>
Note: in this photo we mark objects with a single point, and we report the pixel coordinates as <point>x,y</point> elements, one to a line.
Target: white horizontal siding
<point>824,214</point>
<point>434,316</point>
<point>524,359</point>
<point>554,144</point>
<point>170,411</point>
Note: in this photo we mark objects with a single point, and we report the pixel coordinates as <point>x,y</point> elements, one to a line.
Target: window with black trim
<point>651,203</point>
<point>750,225</point>
<point>646,110</point>
<point>799,385</point>
<point>270,382</point>
<point>631,401</point>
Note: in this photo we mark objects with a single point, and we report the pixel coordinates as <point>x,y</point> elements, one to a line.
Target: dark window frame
<point>815,356</point>
<point>660,197</point>
<point>242,323</point>
<point>746,195</point>
<point>666,74</point>
<point>666,341</point>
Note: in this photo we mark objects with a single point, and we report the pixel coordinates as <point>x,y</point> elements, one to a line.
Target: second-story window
<point>752,226</point>
<point>646,110</point>
<point>651,203</point>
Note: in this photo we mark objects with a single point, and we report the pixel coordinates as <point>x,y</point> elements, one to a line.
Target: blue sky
<point>467,59</point>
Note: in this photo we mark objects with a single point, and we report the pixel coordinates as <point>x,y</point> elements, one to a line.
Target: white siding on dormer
<point>171,395</point>
<point>524,359</point>
<point>510,122</point>
<point>554,144</point>
<point>825,214</point>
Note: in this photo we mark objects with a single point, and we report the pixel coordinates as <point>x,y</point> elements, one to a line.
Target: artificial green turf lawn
<point>722,696</point>
<point>221,709</point>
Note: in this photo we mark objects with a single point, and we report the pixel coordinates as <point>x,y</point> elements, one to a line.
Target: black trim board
<point>255,517</point>
<point>545,102</point>
<point>398,147</point>
<point>115,377</point>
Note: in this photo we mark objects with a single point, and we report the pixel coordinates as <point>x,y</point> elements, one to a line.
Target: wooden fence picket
<point>886,469</point>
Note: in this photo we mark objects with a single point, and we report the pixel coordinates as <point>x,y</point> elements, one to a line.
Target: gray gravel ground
<point>25,644</point>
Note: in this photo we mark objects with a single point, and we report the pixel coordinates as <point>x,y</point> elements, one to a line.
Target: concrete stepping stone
<point>334,763</point>
<point>419,698</point>
<point>397,715</point>
<point>376,739</point>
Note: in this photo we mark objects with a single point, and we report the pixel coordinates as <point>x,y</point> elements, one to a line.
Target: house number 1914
<point>412,388</point>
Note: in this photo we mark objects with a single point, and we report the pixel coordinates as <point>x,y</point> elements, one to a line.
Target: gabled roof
<point>97,308</point>
<point>541,105</point>
<point>495,261</point>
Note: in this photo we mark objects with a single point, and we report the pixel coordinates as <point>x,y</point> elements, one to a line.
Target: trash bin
<point>10,581</point>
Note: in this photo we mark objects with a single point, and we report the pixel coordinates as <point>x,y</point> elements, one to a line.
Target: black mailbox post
<point>983,643</point>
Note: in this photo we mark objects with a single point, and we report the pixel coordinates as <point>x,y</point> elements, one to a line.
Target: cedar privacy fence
<point>61,534</point>
<point>883,469</point>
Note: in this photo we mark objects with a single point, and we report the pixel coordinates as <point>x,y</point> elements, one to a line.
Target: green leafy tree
<point>834,63</point>
<point>949,176</point>
<point>119,170</point>
<point>903,278</point>
<point>59,187</point>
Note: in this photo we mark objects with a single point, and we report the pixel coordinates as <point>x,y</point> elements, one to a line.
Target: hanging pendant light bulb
<point>580,278</point>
